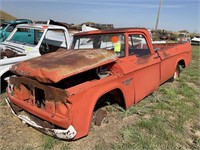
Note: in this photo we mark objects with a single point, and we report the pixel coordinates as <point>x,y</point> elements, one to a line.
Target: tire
<point>176,73</point>
<point>99,117</point>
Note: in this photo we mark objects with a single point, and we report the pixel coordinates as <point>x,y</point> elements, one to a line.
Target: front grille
<point>43,96</point>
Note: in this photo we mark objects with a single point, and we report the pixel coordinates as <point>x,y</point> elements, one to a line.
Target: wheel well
<point>113,97</point>
<point>181,63</point>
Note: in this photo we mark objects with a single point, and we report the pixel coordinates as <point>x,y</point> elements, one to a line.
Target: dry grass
<point>6,16</point>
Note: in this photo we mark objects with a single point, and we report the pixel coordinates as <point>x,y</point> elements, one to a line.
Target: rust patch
<point>9,54</point>
<point>50,93</point>
<point>165,55</point>
<point>53,67</point>
<point>143,60</point>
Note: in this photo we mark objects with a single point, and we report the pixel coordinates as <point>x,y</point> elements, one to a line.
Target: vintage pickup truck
<point>28,41</point>
<point>59,92</point>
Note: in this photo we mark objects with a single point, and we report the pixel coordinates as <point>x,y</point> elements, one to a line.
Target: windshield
<point>26,36</point>
<point>3,25</point>
<point>114,42</point>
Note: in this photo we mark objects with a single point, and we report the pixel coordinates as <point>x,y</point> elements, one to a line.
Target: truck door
<point>144,66</point>
<point>24,35</point>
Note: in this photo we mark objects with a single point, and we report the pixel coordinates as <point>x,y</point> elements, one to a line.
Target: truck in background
<point>195,40</point>
<point>8,26</point>
<point>184,37</point>
<point>28,41</point>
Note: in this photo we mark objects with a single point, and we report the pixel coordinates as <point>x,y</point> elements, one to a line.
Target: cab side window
<point>138,45</point>
<point>56,38</point>
<point>53,40</point>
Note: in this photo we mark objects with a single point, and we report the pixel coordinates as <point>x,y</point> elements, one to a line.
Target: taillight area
<point>48,98</point>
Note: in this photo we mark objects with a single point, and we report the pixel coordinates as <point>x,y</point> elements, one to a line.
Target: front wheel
<point>99,117</point>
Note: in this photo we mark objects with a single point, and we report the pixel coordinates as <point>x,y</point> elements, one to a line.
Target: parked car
<point>167,36</point>
<point>8,26</point>
<point>164,36</point>
<point>184,37</point>
<point>195,40</point>
<point>152,35</point>
<point>62,92</point>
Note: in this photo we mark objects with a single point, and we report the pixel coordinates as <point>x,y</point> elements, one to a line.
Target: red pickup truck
<point>57,93</point>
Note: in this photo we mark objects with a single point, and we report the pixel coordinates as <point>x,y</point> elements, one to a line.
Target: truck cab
<point>8,26</point>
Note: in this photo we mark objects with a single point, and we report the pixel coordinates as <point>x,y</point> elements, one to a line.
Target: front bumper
<point>67,134</point>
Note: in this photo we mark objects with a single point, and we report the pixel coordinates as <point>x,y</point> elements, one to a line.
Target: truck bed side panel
<point>170,58</point>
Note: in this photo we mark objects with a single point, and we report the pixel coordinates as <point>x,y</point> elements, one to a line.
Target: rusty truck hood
<point>53,67</point>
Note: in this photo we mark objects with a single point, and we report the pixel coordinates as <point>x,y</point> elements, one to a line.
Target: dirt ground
<point>16,135</point>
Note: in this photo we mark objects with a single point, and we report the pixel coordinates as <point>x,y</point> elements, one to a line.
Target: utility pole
<point>158,15</point>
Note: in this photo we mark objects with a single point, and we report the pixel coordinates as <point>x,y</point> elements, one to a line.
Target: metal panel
<point>53,67</point>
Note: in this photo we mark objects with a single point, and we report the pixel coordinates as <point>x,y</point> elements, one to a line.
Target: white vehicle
<point>184,37</point>
<point>195,40</point>
<point>28,41</point>
<point>156,42</point>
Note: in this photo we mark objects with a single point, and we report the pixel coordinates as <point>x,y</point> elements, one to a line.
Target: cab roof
<point>115,30</point>
<point>40,26</point>
<point>17,21</point>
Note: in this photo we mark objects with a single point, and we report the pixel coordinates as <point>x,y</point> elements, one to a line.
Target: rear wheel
<point>176,73</point>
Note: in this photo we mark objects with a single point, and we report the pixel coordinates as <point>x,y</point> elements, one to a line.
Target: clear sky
<point>175,15</point>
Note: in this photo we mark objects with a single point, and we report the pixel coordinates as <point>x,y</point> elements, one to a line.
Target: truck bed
<point>165,46</point>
